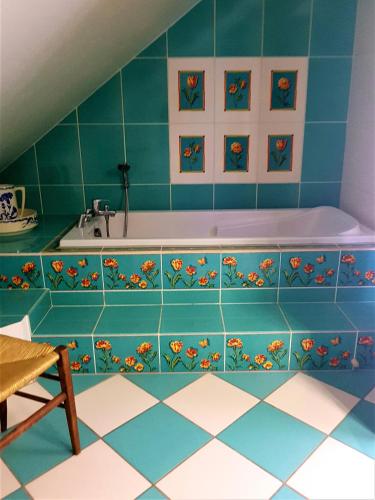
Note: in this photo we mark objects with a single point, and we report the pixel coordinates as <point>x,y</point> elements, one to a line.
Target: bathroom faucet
<point>95,211</point>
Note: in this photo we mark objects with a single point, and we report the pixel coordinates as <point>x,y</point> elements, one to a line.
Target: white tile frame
<point>299,64</point>
<point>177,177</point>
<point>295,129</point>
<point>223,64</point>
<point>248,177</point>
<point>177,64</point>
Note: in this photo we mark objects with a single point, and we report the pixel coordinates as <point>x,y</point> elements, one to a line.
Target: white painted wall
<point>54,53</point>
<point>358,181</point>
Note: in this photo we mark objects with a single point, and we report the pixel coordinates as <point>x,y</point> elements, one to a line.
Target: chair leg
<point>4,415</point>
<point>70,407</point>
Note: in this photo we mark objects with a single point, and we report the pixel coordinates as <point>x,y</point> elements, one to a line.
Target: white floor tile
<point>97,472</point>
<point>112,403</point>
<point>216,471</point>
<point>8,483</point>
<point>313,402</point>
<point>211,403</point>
<point>371,396</point>
<point>21,408</point>
<point>335,471</point>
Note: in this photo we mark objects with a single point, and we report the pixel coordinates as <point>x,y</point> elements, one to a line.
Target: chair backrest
<point>19,330</point>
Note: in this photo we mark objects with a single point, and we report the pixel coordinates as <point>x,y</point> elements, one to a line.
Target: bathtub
<point>317,225</point>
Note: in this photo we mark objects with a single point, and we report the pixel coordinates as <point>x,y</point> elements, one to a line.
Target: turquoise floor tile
<point>315,317</point>
<point>285,493</point>
<point>257,436</point>
<point>19,494</point>
<point>259,385</point>
<point>69,320</point>
<point>162,386</point>
<point>128,319</point>
<point>361,314</point>
<point>191,319</point>
<point>156,441</point>
<point>358,428</point>
<point>151,494</point>
<point>80,383</point>
<point>49,441</point>
<point>18,302</point>
<point>200,21</point>
<point>253,318</point>
<point>355,382</point>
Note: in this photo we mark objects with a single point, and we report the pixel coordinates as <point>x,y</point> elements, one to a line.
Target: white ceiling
<point>54,53</point>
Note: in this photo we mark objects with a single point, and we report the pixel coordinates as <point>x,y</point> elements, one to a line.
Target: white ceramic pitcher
<point>8,202</point>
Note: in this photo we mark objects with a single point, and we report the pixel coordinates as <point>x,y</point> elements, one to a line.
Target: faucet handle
<point>96,204</point>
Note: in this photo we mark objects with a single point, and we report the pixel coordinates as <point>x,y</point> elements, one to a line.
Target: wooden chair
<point>21,362</point>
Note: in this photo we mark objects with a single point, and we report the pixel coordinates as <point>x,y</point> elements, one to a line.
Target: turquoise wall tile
<point>238,28</point>
<point>192,196</point>
<point>191,296</point>
<point>250,270</point>
<point>278,195</point>
<point>129,297</point>
<point>193,35</point>
<point>22,171</point>
<point>147,151</point>
<point>193,318</point>
<point>191,271</point>
<point>151,197</point>
<point>129,320</point>
<point>328,89</point>
<point>78,299</point>
<point>320,193</point>
<point>21,272</point>
<point>81,357</point>
<point>249,318</point>
<point>362,315</point>
<point>307,294</point>
<point>114,195</point>
<point>365,350</point>
<point>191,353</point>
<point>323,151</point>
<point>62,200</point>
<point>357,268</point>
<point>126,354</point>
<point>158,48</point>
<point>70,119</point>
<point>309,269</point>
<point>248,296</point>
<point>69,321</point>
<point>39,310</point>
<point>314,317</point>
<point>33,199</point>
<point>355,294</point>
<point>58,156</point>
<point>333,26</point>
<point>72,272</point>
<point>235,196</point>
<point>317,351</point>
<point>132,272</point>
<point>145,99</point>
<point>102,148</point>
<point>286,27</point>
<point>104,106</point>
<point>17,302</point>
<point>257,352</point>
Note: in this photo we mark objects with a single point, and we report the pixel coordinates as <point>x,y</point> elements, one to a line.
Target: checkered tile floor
<point>187,436</point>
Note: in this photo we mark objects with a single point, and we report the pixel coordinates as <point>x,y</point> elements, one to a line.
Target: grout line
<point>310,27</point>
<point>263,26</point>
<point>291,335</point>
<point>80,159</point>
<point>159,338</point>
<point>92,337</point>
<point>224,338</point>
<point>278,280</point>
<point>38,177</point>
<point>214,27</point>
<point>337,276</point>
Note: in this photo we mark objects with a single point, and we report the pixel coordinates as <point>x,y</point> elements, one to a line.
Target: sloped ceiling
<point>54,53</point>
